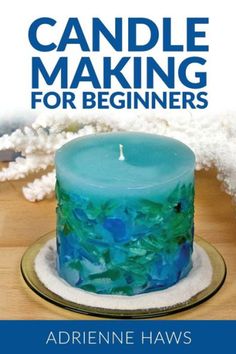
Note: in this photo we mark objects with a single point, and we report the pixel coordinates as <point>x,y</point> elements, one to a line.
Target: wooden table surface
<point>22,222</point>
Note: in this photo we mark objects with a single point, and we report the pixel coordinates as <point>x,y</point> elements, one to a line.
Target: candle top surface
<point>149,160</point>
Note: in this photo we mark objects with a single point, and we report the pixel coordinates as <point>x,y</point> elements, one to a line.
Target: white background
<point>16,52</point>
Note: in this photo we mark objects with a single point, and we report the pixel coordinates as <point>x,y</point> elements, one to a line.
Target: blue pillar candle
<point>125,212</point>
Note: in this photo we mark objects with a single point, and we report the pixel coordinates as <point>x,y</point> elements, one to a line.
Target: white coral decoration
<point>212,138</point>
<point>40,187</point>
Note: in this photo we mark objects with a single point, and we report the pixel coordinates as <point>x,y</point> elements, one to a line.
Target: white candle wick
<point>121,157</point>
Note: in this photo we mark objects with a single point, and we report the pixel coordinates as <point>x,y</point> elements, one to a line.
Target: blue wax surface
<point>150,161</point>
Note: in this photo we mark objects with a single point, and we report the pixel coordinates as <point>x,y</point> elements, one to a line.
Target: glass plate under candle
<point>32,280</point>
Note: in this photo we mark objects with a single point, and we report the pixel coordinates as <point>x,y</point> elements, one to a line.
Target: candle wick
<point>121,157</point>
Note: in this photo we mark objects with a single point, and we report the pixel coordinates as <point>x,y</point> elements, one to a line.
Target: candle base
<point>207,276</point>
